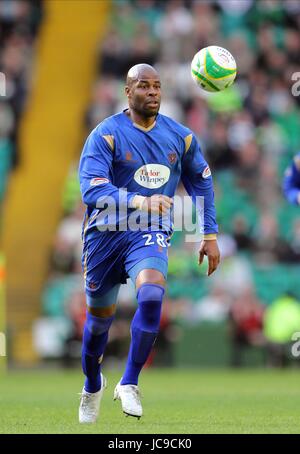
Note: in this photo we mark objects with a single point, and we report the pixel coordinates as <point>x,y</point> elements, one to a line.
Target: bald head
<point>141,71</point>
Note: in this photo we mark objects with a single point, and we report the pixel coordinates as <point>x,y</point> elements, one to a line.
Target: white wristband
<point>137,202</point>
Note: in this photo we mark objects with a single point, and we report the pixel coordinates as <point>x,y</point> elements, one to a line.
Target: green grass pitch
<point>174,401</point>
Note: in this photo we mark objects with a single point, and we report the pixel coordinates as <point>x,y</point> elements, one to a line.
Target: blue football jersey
<point>291,181</point>
<point>121,159</point>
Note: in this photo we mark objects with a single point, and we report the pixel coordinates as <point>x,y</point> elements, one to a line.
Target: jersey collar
<point>142,128</point>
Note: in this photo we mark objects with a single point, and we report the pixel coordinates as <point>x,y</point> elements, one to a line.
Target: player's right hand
<point>157,204</point>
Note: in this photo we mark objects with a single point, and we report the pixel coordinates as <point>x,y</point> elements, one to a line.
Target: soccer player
<point>291,181</point>
<point>129,170</point>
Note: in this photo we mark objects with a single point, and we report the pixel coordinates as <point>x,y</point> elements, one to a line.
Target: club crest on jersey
<point>172,157</point>
<point>152,176</point>
<point>206,172</point>
<point>98,181</point>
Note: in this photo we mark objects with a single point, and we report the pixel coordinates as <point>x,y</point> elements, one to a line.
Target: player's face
<point>144,96</point>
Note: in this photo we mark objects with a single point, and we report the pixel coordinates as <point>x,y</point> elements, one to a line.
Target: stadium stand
<point>19,27</point>
<point>248,135</point>
<point>50,133</point>
<point>19,24</point>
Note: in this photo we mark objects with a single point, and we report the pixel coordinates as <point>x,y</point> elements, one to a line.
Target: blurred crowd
<point>248,135</point>
<point>19,21</point>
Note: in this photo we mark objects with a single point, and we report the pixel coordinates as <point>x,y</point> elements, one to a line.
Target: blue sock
<point>95,337</point>
<point>144,330</point>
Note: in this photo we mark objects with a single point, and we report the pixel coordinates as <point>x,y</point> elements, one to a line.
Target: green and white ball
<point>213,68</point>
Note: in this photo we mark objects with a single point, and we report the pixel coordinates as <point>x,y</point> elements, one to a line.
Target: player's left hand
<point>211,249</point>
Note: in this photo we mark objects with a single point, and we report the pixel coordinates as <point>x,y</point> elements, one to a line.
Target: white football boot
<point>130,398</point>
<point>90,404</point>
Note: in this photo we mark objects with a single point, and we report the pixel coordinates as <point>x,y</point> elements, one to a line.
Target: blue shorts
<point>109,258</point>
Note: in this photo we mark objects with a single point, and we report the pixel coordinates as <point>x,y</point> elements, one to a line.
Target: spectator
<point>245,325</point>
<point>281,321</point>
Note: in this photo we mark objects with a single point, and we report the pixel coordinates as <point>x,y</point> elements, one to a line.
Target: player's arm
<point>291,182</point>
<point>96,173</point>
<point>197,180</point>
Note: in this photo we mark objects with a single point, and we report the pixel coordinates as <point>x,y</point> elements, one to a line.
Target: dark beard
<point>142,113</point>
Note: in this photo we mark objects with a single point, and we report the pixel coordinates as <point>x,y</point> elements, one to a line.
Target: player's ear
<point>127,91</point>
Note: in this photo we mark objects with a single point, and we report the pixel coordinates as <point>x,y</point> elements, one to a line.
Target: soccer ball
<point>213,68</point>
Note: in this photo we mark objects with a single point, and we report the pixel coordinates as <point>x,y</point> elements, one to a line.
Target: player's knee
<point>98,325</point>
<point>150,298</point>
<point>149,276</point>
<point>103,306</point>
<point>102,312</point>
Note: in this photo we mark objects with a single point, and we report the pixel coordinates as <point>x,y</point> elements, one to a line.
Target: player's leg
<point>102,267</point>
<point>150,288</point>
<point>99,317</point>
<point>103,273</point>
<point>147,266</point>
<point>100,314</point>
<point>150,285</point>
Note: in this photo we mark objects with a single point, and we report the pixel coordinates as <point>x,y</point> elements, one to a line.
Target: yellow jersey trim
<point>188,140</point>
<point>142,128</point>
<point>110,140</point>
